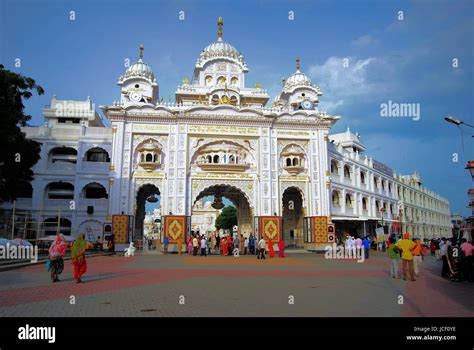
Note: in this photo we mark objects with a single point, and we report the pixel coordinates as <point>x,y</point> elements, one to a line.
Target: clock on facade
<point>135,96</point>
<point>307,104</point>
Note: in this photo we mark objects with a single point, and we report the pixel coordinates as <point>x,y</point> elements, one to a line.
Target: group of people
<point>56,252</point>
<point>355,243</point>
<point>457,258</point>
<point>411,253</point>
<point>203,245</point>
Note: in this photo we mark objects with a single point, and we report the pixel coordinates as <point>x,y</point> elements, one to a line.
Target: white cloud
<point>364,40</point>
<point>348,77</point>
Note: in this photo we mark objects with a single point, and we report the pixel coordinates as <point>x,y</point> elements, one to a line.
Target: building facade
<point>219,139</point>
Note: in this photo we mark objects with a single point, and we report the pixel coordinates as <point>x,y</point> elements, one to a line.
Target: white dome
<point>220,49</point>
<point>139,70</point>
<point>297,79</point>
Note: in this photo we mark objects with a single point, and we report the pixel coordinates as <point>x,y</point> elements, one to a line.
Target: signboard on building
<point>382,168</point>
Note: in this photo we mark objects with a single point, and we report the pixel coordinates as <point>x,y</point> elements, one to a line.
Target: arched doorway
<point>293,217</point>
<point>147,193</point>
<point>210,201</point>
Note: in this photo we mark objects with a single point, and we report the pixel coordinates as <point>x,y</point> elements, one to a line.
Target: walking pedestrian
<point>246,245</point>
<point>406,246</point>
<point>466,253</point>
<point>417,256</point>
<point>78,252</point>
<point>443,245</point>
<point>203,246</point>
<point>281,248</point>
<point>271,251</point>
<point>261,249</point>
<point>393,255</point>
<point>252,244</point>
<point>190,245</point>
<point>366,244</point>
<point>55,254</point>
<point>166,242</point>
<point>195,246</point>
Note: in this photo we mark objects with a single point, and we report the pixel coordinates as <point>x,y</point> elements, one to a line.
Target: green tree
<point>227,219</point>
<point>17,153</point>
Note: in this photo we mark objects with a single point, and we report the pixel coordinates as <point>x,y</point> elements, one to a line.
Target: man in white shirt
<point>203,246</point>
<point>246,245</point>
<point>261,249</point>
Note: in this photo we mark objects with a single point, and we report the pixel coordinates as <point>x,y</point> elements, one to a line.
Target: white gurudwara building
<point>276,162</point>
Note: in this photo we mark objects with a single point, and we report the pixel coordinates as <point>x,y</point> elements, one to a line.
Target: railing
<point>98,167</point>
<point>69,167</point>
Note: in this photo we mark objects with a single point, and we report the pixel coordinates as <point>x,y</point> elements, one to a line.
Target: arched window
<point>149,157</point>
<point>142,157</point>
<point>63,155</point>
<point>209,159</point>
<point>234,81</point>
<point>348,200</point>
<point>60,190</point>
<point>208,80</point>
<point>221,80</point>
<point>364,204</point>
<point>347,172</point>
<point>231,159</point>
<point>362,177</point>
<point>97,154</point>
<point>233,101</point>
<point>334,167</point>
<point>51,226</point>
<point>94,190</point>
<point>215,100</point>
<point>216,159</point>
<point>288,161</point>
<point>335,199</point>
<point>155,158</point>
<point>295,161</point>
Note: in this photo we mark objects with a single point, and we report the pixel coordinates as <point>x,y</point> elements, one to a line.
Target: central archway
<point>146,192</point>
<point>214,200</point>
<point>293,217</point>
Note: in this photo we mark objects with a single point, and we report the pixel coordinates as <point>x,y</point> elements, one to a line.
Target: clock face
<point>135,96</point>
<point>307,104</point>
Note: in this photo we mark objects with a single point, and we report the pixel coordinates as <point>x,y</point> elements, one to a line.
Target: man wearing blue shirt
<point>366,244</point>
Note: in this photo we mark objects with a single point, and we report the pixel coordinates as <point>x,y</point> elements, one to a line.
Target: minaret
<point>298,65</point>
<point>220,24</point>
<point>141,48</point>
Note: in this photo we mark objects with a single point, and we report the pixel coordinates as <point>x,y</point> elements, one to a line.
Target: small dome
<point>298,79</point>
<point>139,70</point>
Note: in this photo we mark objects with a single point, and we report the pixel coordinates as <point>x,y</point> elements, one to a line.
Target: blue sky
<point>407,61</point>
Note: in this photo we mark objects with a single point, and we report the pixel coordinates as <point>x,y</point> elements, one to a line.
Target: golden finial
<point>141,50</point>
<point>185,81</point>
<point>220,23</point>
<point>298,66</point>
<point>258,86</point>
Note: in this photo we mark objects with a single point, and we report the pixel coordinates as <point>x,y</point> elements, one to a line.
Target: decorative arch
<point>96,154</point>
<point>245,187</point>
<point>298,185</point>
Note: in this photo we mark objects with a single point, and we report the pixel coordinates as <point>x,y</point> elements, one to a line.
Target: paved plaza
<point>301,284</point>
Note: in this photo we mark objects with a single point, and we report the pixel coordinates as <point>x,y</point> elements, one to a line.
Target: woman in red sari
<point>271,251</point>
<point>224,246</point>
<point>281,249</point>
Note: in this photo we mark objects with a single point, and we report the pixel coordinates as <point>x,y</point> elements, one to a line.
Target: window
<point>216,159</point>
<point>364,203</point>
<point>60,190</point>
<point>288,161</point>
<point>348,200</point>
<point>63,155</point>
<point>221,80</point>
<point>362,177</point>
<point>347,172</point>
<point>295,161</point>
<point>234,81</point>
<point>215,100</point>
<point>334,167</point>
<point>336,199</point>
<point>97,154</point>
<point>149,157</point>
<point>94,191</point>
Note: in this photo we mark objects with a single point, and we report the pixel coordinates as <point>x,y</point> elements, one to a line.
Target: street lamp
<point>458,122</point>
